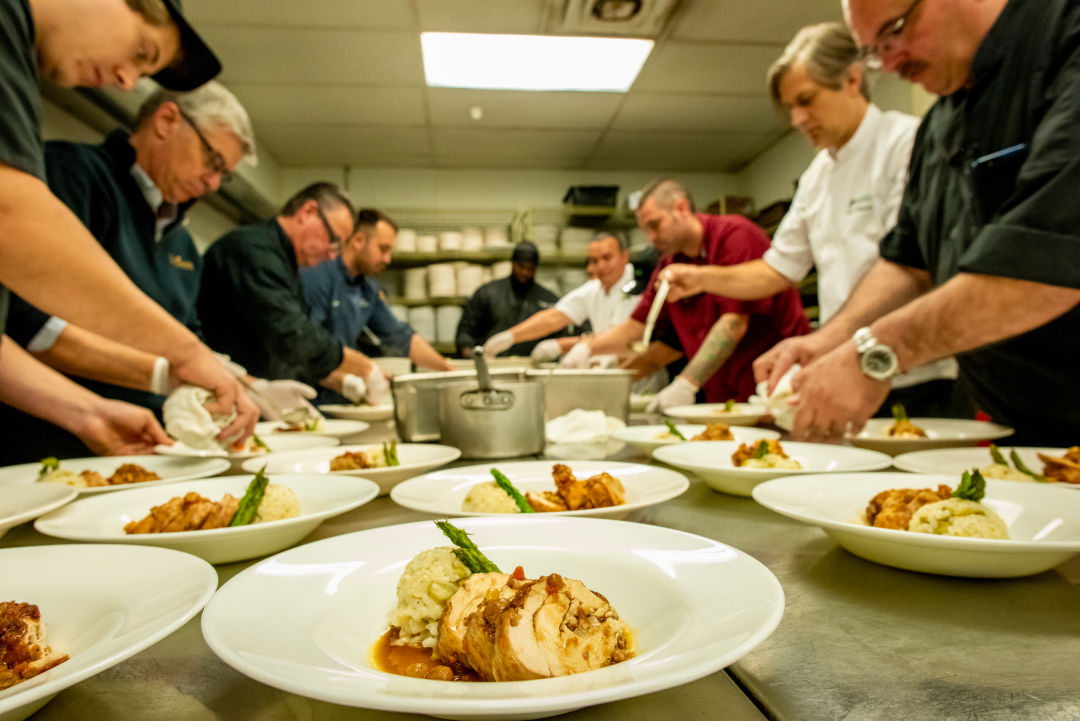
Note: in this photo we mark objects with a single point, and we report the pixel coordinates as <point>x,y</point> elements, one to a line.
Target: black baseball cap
<point>197,63</point>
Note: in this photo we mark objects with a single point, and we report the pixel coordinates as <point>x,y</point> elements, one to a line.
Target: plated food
<point>413,459</point>
<point>444,493</point>
<point>1063,469</point>
<point>125,473</point>
<point>1043,523</point>
<point>649,438</point>
<point>459,618</point>
<point>334,427</point>
<point>24,650</point>
<point>601,490</point>
<point>735,414</point>
<point>940,433</point>
<point>146,594</point>
<point>168,470</point>
<point>382,456</point>
<point>730,467</point>
<point>902,427</point>
<point>279,520</point>
<point>941,511</point>
<point>1016,463</point>
<point>695,606</point>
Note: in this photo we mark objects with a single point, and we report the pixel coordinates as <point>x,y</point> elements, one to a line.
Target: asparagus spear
<point>259,442</point>
<point>466,550</point>
<point>48,465</point>
<point>996,457</point>
<point>311,424</point>
<point>762,450</point>
<point>390,453</point>
<point>249,504</point>
<point>972,486</point>
<point>729,405</point>
<point>899,413</point>
<point>674,431</point>
<point>1024,469</point>
<point>505,484</point>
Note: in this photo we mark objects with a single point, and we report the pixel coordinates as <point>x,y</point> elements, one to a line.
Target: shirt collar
<point>626,277</point>
<point>147,187</point>
<point>863,135</point>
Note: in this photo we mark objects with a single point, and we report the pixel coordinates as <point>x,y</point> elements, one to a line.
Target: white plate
<point>415,459</point>
<point>25,503</point>
<point>278,443</point>
<point>742,414</point>
<point>361,412</point>
<point>638,401</point>
<point>711,461</point>
<point>441,493</point>
<point>1044,524</point>
<point>334,427</point>
<point>102,519</point>
<point>697,605</point>
<point>940,432</point>
<point>954,461</point>
<point>100,605</point>
<point>170,468</point>
<point>646,437</point>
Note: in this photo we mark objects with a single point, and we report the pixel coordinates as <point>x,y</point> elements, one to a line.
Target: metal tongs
<point>650,321</point>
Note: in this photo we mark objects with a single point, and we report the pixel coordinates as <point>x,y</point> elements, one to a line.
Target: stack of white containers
<point>500,269</point>
<point>446,322</point>
<point>406,241</point>
<point>416,283</point>
<point>575,241</point>
<point>451,240</point>
<point>422,320</point>
<point>400,312</point>
<point>427,244</point>
<point>496,237</point>
<point>546,238</point>
<point>472,239</point>
<point>469,277</point>
<point>442,281</point>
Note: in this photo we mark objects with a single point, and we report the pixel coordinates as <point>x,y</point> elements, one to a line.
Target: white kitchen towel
<point>581,426</point>
<point>188,421</point>
<point>782,412</point>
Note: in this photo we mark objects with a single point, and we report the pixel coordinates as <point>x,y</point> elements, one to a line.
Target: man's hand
<point>546,350</point>
<point>684,280</point>
<point>115,428</point>
<point>272,397</point>
<point>577,357</point>
<point>680,392</point>
<point>206,371</point>
<point>774,363</point>
<point>498,343</point>
<point>834,396</point>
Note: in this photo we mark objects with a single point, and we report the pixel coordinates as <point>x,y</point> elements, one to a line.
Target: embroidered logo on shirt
<point>180,263</point>
<point>861,204</point>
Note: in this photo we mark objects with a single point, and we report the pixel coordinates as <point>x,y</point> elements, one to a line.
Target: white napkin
<point>188,421</point>
<point>783,414</point>
<point>581,426</point>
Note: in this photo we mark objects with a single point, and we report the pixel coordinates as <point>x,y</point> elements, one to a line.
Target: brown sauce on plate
<point>414,661</point>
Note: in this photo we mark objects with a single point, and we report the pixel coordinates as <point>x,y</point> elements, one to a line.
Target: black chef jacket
<point>252,307</point>
<point>994,189</point>
<point>495,307</point>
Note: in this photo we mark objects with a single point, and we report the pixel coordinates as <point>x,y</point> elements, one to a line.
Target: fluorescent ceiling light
<point>532,62</point>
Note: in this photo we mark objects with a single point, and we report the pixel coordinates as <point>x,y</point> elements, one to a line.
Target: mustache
<point>910,68</point>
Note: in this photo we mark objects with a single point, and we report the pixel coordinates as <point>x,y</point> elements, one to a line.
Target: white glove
<point>577,357</point>
<point>235,368</point>
<point>498,343</point>
<point>680,392</point>
<point>353,388</point>
<point>281,395</point>
<point>378,386</point>
<point>545,351</point>
<point>609,360</point>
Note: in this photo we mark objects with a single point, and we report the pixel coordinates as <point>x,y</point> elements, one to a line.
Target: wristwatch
<point>877,360</point>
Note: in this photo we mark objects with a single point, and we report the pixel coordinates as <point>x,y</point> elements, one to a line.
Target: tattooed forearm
<point>717,347</point>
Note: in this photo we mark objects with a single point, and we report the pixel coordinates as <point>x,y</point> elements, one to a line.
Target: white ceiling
<point>341,82</point>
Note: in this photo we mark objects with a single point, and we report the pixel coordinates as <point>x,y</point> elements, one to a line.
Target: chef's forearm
<point>34,388</point>
<point>539,325</point>
<point>717,347</point>
<point>424,355</point>
<point>752,280</point>
<point>885,287</point>
<point>617,338</point>
<point>970,311</point>
<point>88,355</point>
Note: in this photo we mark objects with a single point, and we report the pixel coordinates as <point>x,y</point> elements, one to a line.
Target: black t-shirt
<point>994,189</point>
<point>20,103</point>
<point>495,307</point>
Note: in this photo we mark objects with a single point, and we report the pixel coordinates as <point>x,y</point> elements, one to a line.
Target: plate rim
<point>375,472</point>
<point>220,465</point>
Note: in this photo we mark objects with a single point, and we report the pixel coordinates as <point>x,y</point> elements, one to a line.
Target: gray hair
<point>620,238</point>
<point>826,50</point>
<point>665,191</point>
<point>326,195</point>
<point>208,105</point>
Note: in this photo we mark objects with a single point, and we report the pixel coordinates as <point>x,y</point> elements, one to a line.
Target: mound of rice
<point>489,498</point>
<point>430,578</point>
<point>958,517</point>
<point>66,477</point>
<point>1004,473</point>
<point>278,503</point>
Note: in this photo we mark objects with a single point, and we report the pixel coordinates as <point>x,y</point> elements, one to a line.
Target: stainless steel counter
<point>858,641</point>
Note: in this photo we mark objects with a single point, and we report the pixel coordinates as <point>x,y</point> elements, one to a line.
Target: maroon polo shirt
<point>728,240</point>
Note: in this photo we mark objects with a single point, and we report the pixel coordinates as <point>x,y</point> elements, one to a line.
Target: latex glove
<point>281,395</point>
<point>233,367</point>
<point>545,351</point>
<point>680,392</point>
<point>353,388</point>
<point>498,343</point>
<point>378,386</point>
<point>604,361</point>
<point>577,357</point>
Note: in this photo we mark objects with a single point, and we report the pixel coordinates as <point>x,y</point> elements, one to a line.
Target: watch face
<point>879,362</point>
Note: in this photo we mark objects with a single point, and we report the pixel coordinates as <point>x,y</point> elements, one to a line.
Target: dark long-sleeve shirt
<point>252,307</point>
<point>495,307</point>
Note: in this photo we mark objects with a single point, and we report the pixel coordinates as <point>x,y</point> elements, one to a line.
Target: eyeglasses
<point>214,160</point>
<point>335,241</point>
<point>885,39</point>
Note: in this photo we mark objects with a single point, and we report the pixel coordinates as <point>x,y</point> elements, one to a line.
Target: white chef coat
<point>602,308</point>
<point>846,202</point>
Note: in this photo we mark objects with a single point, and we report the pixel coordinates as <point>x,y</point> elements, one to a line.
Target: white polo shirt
<point>846,202</point>
<point>602,308</point>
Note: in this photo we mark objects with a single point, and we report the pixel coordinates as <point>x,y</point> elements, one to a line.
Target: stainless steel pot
<point>492,419</point>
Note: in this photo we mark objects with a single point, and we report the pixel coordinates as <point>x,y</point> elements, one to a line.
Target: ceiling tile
<point>706,68</point>
<point>483,16</point>
<point>333,104</point>
<point>317,57</point>
<point>501,148</point>
<point>664,152</point>
<point>326,13</point>
<point>697,113</point>
<point>310,144</point>
<point>503,109</point>
<point>751,22</point>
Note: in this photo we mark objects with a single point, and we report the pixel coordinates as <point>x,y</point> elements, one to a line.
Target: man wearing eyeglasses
<point>982,261</point>
<point>251,301</point>
<point>131,193</point>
